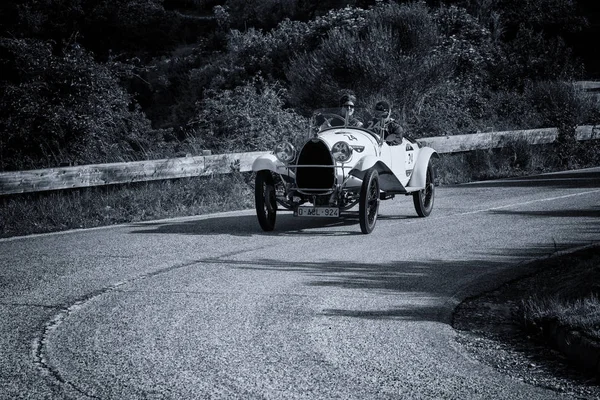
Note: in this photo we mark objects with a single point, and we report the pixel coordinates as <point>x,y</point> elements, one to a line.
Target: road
<point>213,308</point>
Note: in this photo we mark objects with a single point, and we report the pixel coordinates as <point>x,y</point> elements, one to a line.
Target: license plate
<point>317,212</point>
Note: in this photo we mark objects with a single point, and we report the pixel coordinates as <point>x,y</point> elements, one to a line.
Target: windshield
<point>332,118</point>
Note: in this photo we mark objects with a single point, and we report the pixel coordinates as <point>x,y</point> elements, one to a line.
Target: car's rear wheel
<point>264,199</point>
<point>423,199</point>
<point>368,205</point>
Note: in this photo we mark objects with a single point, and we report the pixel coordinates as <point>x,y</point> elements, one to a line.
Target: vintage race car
<point>339,166</point>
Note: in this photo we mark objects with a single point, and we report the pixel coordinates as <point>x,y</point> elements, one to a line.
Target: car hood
<point>360,140</point>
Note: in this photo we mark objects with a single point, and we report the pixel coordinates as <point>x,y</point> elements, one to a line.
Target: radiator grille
<point>315,153</point>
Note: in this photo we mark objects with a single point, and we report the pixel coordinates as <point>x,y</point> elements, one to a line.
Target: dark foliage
<point>102,80</point>
<point>64,108</point>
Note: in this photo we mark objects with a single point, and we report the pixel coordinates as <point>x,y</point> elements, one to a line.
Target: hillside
<point>106,81</point>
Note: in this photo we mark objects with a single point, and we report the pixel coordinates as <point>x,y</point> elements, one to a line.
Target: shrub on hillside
<point>261,14</point>
<point>445,110</point>
<point>433,65</point>
<point>467,42</point>
<point>533,57</point>
<point>266,14</point>
<point>169,87</point>
<point>172,84</point>
<point>248,118</point>
<point>391,56</point>
<point>561,105</point>
<point>460,103</point>
<point>269,52</point>
<point>509,110</point>
<point>65,108</point>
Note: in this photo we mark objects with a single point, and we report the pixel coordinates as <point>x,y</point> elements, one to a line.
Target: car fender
<point>271,163</point>
<point>388,181</point>
<point>266,161</point>
<point>417,180</point>
<point>366,163</point>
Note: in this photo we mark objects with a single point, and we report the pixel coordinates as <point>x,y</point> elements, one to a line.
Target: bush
<point>560,105</point>
<point>270,52</point>
<point>460,103</point>
<point>264,14</point>
<point>510,110</point>
<point>169,87</point>
<point>249,118</point>
<point>391,54</point>
<point>468,43</point>
<point>64,108</point>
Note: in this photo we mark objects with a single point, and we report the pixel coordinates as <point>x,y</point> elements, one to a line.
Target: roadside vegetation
<point>576,305</point>
<point>542,328</point>
<point>106,205</point>
<point>560,306</point>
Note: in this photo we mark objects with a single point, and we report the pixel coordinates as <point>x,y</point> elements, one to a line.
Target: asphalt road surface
<point>213,308</point>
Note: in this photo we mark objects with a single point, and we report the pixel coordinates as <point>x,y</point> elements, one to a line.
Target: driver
<point>347,110</point>
<point>392,130</point>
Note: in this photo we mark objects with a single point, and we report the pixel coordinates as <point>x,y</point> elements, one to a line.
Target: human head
<point>383,109</point>
<point>347,103</point>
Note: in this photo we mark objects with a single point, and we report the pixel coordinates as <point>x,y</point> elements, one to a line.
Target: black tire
<point>368,206</point>
<point>423,199</point>
<point>264,199</point>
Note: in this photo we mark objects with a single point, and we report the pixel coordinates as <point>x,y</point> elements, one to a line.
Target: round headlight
<point>341,151</point>
<point>285,152</point>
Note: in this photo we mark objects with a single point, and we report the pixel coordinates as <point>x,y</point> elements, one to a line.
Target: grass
<point>569,295</point>
<point>517,158</point>
<point>108,205</point>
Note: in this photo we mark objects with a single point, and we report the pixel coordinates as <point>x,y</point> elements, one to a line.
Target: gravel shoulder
<point>489,329</point>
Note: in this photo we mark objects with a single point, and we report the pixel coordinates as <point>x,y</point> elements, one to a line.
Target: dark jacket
<point>391,129</point>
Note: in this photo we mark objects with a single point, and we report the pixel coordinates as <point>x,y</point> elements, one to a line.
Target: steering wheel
<point>328,117</point>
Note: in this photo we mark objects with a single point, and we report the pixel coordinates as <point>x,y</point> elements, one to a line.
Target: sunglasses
<point>348,106</point>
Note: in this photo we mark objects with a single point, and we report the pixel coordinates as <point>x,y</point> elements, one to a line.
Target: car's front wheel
<point>368,205</point>
<point>264,199</point>
<point>423,199</point>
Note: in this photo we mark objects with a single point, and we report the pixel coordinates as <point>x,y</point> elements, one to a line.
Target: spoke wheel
<point>264,199</point>
<point>423,199</point>
<point>368,206</point>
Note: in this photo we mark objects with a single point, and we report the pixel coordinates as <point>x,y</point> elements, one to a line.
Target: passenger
<point>382,122</point>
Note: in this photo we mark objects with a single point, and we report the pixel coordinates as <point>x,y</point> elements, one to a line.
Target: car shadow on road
<point>247,225</point>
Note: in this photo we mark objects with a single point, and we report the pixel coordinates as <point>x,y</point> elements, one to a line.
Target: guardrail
<point>490,140</point>
<point>119,173</point>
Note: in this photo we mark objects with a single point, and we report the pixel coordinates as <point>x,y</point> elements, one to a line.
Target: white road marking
<point>507,206</point>
<point>566,196</point>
